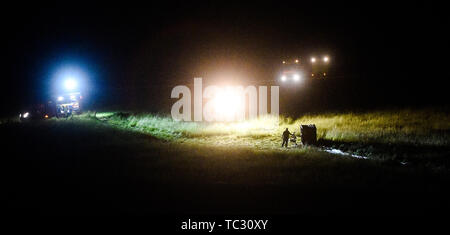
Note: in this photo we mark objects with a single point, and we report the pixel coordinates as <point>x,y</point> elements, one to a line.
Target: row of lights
<point>296,61</point>
<point>296,77</point>
<point>61,98</point>
<point>324,59</point>
<point>27,114</point>
<point>313,60</point>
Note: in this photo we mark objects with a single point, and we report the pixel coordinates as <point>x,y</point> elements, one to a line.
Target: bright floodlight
<point>70,84</point>
<point>313,60</point>
<point>296,77</point>
<point>325,59</point>
<point>283,78</point>
<point>60,98</point>
<point>227,104</point>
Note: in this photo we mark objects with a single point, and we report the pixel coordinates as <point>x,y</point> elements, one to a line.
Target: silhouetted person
<point>286,135</point>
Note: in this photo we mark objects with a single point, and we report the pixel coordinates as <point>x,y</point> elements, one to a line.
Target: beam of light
<point>265,126</point>
<point>227,104</point>
<point>69,78</point>
<point>70,84</point>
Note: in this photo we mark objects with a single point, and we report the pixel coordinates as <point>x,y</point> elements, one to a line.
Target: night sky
<point>383,55</point>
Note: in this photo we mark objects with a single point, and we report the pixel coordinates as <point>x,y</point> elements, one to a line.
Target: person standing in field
<point>286,135</point>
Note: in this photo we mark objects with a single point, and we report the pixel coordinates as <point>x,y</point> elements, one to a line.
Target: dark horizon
<point>382,56</point>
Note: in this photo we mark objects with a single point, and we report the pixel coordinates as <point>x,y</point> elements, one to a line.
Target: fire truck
<point>68,104</point>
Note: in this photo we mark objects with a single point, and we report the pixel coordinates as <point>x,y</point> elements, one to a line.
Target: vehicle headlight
<point>25,115</point>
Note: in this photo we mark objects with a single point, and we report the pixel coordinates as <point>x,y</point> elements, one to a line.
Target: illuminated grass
<point>418,127</point>
<point>151,155</point>
<point>251,151</point>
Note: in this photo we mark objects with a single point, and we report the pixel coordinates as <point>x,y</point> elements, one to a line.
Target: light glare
<point>227,104</point>
<point>70,84</point>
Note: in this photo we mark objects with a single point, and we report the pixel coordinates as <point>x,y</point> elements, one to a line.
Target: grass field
<point>141,163</point>
<point>416,127</point>
<point>413,136</point>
